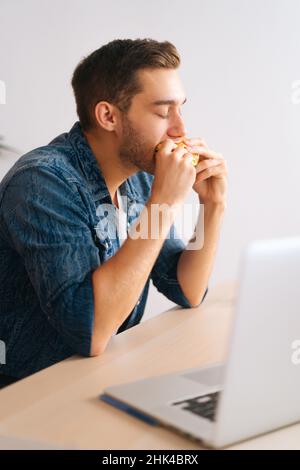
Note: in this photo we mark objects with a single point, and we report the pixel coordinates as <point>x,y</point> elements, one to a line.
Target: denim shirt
<point>53,234</point>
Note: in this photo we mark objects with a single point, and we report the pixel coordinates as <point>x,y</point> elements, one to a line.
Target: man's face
<point>147,123</point>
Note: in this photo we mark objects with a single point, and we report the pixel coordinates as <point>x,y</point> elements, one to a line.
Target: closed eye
<point>168,115</point>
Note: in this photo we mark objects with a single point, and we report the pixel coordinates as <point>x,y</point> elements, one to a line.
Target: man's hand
<point>211,179</point>
<point>174,174</point>
<point>195,266</point>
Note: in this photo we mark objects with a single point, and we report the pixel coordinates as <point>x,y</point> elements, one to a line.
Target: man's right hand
<point>126,273</point>
<point>174,174</point>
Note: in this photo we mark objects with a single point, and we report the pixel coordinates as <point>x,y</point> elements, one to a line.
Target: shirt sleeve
<point>164,271</point>
<point>46,222</point>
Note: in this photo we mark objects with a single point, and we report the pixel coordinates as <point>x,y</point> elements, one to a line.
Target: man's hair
<point>110,74</point>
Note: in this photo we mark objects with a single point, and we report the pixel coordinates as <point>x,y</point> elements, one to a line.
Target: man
<point>67,283</point>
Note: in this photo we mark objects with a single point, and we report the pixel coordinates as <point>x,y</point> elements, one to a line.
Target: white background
<point>240,59</point>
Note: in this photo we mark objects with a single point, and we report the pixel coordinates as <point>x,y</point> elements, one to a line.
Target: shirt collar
<point>91,169</point>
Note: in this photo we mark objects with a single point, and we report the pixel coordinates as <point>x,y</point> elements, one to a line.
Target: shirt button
<point>138,303</point>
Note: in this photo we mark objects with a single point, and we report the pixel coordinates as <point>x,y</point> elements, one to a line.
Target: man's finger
<point>217,170</point>
<point>206,153</point>
<point>188,156</point>
<point>204,164</point>
<point>165,146</point>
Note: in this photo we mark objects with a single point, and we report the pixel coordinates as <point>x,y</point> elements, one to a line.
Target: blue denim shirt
<point>53,235</point>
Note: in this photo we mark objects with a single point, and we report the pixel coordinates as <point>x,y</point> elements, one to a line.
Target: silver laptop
<point>258,388</point>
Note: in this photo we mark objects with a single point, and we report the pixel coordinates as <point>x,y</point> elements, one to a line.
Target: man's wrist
<point>214,207</point>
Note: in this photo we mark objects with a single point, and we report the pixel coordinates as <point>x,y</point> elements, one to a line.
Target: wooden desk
<point>60,404</point>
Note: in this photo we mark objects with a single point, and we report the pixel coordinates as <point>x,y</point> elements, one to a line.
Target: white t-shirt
<point>122,229</point>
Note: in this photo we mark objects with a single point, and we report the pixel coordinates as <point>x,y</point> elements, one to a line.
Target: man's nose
<point>178,129</point>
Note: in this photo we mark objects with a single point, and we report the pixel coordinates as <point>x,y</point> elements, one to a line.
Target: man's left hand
<point>211,179</point>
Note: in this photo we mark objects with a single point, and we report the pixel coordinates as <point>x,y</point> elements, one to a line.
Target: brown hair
<point>109,73</point>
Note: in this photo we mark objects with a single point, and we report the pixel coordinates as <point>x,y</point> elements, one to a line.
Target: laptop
<point>257,389</point>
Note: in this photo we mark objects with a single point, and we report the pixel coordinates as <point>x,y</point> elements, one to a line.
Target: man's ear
<point>106,115</point>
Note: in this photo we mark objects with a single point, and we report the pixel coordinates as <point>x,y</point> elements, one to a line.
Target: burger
<point>195,158</point>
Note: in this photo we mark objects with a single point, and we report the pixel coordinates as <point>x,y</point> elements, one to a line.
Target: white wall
<point>240,59</point>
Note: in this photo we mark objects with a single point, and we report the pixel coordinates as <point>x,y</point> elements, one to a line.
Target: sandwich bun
<point>196,156</point>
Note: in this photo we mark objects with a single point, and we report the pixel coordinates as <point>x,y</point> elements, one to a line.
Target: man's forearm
<point>195,266</point>
<point>118,283</point>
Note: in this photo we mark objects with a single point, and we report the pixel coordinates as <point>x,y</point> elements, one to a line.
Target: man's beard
<point>134,152</point>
